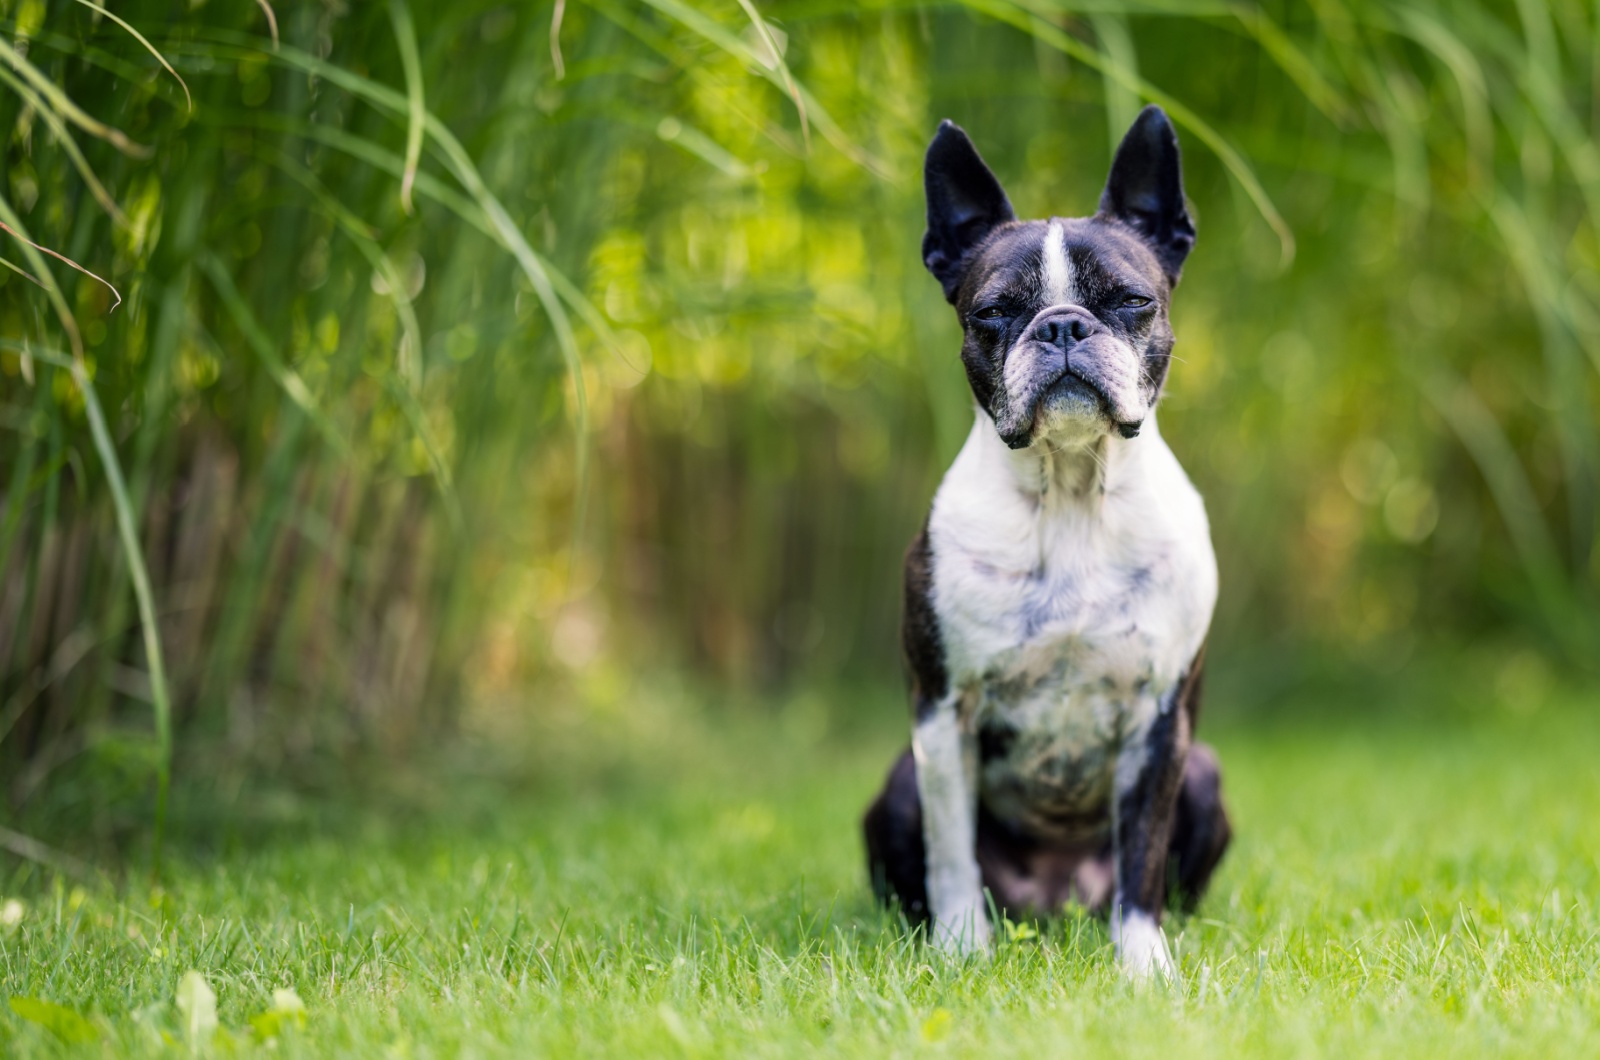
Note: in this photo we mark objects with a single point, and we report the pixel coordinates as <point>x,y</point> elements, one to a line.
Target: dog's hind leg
<point>1200,832</point>
<point>897,858</point>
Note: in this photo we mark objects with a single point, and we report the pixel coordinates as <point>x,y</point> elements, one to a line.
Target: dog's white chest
<point>1066,617</point>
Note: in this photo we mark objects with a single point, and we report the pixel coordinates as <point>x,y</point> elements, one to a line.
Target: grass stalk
<point>405,34</point>
<point>133,555</point>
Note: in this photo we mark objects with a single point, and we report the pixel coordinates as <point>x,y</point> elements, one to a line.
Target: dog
<point>1058,598</point>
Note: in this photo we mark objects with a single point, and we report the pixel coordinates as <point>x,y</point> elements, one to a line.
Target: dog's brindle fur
<point>1057,601</point>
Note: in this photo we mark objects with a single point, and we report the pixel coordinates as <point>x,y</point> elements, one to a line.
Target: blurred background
<point>454,370</point>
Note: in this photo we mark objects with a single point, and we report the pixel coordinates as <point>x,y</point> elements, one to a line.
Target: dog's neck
<point>1072,472</point>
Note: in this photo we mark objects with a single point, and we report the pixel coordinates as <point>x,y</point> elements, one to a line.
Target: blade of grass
<point>1480,432</point>
<point>24,273</point>
<point>63,137</point>
<point>405,33</point>
<point>133,555</point>
<point>359,233</point>
<point>32,850</point>
<point>12,225</point>
<point>782,67</point>
<point>418,418</point>
<point>242,604</point>
<point>1294,62</point>
<point>697,143</point>
<point>17,491</point>
<point>556,15</point>
<point>61,258</point>
<point>66,108</point>
<point>363,149</point>
<point>1122,105</point>
<point>1471,86</point>
<point>686,62</point>
<point>49,477</point>
<point>1542,279</point>
<point>410,375</point>
<point>1508,483</point>
<point>713,33</point>
<point>82,51</point>
<point>1527,234</point>
<point>272,21</point>
<point>1400,118</point>
<point>151,48</point>
<point>286,377</point>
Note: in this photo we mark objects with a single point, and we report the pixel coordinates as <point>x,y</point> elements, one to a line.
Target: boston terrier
<point>1058,597</point>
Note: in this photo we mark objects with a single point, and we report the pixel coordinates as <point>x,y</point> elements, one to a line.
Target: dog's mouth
<point>1071,389</point>
<point>1070,384</point>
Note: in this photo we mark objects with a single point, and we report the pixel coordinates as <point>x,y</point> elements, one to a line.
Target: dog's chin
<point>1071,412</point>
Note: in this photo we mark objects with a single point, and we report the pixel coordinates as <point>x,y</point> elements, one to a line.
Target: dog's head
<point>1065,324</point>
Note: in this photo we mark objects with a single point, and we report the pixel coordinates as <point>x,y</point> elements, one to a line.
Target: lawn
<point>1399,887</point>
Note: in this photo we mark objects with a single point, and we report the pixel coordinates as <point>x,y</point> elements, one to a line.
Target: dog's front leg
<point>1149,773</point>
<point>946,783</point>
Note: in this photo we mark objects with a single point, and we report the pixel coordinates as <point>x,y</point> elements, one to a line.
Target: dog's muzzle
<point>1069,345</point>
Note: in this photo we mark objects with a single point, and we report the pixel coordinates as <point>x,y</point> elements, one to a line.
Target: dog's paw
<point>1142,951</point>
<point>964,935</point>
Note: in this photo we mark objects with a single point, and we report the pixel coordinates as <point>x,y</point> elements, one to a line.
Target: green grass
<point>1398,887</point>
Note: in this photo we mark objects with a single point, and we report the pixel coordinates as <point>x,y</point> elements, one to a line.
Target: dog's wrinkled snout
<point>1068,340</point>
<point>1065,328</point>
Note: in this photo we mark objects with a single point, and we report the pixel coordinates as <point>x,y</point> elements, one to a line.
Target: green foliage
<point>460,353</point>
<point>65,1023</point>
<point>286,1015</point>
<point>1400,888</point>
<point>197,1008</point>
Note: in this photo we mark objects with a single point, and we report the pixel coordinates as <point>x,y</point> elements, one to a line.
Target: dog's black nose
<point>1065,328</point>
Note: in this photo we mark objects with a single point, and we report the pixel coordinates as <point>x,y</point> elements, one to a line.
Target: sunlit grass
<point>441,375</point>
<point>1406,887</point>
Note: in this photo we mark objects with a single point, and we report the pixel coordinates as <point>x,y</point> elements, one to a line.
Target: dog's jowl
<point>1057,601</point>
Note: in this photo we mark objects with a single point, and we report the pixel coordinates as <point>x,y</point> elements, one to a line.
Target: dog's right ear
<point>965,203</point>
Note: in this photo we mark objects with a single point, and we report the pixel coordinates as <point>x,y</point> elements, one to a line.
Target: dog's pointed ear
<point>1145,189</point>
<point>965,203</point>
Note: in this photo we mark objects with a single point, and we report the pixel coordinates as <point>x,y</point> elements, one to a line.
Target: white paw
<point>964,934</point>
<point>1142,950</point>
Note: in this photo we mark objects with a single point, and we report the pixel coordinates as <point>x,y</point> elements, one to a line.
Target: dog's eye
<point>1135,301</point>
<point>989,312</point>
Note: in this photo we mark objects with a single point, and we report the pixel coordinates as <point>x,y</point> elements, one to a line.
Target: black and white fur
<point>1057,601</point>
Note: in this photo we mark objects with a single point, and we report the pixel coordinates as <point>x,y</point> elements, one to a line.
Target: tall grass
<point>467,354</point>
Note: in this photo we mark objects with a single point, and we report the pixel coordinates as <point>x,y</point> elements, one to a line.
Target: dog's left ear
<point>1145,189</point>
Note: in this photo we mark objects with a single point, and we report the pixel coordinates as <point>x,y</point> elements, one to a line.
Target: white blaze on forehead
<point>1056,277</point>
